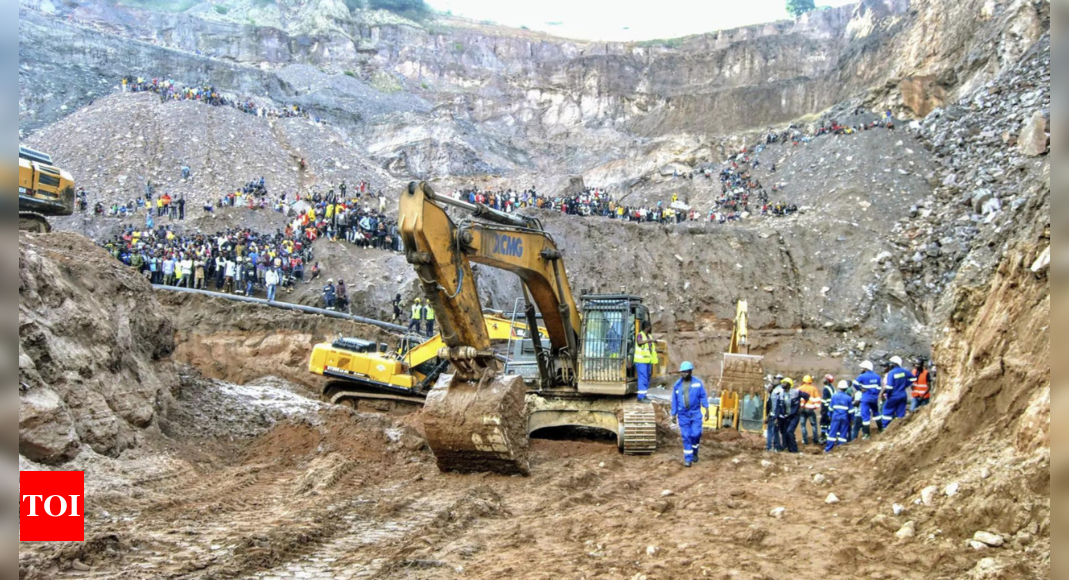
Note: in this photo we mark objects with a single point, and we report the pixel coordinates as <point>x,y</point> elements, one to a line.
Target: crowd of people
<point>236,261</point>
<point>242,261</point>
<point>168,90</point>
<point>742,192</point>
<point>839,413</point>
<point>831,415</point>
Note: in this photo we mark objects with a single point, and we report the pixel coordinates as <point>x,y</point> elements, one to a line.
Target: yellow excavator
<point>44,190</point>
<point>479,418</point>
<point>742,380</point>
<point>365,374</point>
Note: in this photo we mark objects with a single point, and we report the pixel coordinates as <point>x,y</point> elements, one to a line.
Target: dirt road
<point>304,490</point>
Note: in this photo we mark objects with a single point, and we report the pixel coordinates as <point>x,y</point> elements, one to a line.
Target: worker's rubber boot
<point>687,463</point>
<point>695,454</point>
<point>866,432</point>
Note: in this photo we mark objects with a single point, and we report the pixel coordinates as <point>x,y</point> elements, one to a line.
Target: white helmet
<point>867,365</point>
<point>843,385</point>
<point>896,360</point>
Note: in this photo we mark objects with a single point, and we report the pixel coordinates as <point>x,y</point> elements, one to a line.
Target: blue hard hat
<point>686,366</point>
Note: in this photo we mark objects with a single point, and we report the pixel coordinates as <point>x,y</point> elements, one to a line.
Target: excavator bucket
<point>478,426</point>
<point>741,382</point>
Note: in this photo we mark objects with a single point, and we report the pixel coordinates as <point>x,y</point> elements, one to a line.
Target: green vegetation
<point>221,9</point>
<point>797,8</point>
<point>458,47</point>
<point>385,83</point>
<point>412,9</point>
<point>350,73</point>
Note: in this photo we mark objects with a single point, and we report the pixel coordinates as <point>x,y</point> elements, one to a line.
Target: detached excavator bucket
<point>741,383</point>
<point>481,426</point>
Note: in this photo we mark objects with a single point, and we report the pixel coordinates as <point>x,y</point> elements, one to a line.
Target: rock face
<point>455,98</point>
<point>92,340</point>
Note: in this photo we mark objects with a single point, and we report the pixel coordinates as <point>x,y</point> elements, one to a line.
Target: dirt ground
<point>257,481</point>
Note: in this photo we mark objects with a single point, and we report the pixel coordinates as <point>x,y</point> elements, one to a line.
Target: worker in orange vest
<point>921,393</point>
<point>809,412</point>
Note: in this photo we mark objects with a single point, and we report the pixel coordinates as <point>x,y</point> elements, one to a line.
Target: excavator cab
<point>607,343</point>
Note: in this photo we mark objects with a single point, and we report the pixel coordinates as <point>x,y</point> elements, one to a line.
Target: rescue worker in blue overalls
<point>690,403</point>
<point>645,357</point>
<point>869,384</point>
<point>899,382</point>
<point>839,432</point>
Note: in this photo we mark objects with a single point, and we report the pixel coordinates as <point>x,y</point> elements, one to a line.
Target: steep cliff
<point>471,99</point>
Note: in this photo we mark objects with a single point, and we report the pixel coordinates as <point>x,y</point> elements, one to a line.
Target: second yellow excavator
<point>742,392</point>
<point>478,418</point>
<point>365,374</point>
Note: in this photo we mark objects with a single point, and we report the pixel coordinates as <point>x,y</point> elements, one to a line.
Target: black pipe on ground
<point>289,306</point>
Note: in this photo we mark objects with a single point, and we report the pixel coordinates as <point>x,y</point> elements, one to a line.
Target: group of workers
<point>833,415</point>
<point>847,409</point>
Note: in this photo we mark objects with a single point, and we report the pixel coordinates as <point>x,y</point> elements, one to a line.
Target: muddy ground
<point>258,481</point>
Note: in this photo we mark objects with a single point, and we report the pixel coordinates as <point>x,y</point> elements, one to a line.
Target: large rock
<point>1034,138</point>
<point>46,429</point>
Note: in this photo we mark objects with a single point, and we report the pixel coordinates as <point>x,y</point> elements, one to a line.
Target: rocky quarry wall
<point>452,97</point>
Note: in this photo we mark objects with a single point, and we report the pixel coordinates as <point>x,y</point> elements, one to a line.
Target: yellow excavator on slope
<point>363,372</point>
<point>478,418</point>
<point>44,190</point>
<point>742,387</point>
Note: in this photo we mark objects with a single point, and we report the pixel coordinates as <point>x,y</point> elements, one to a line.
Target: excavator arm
<point>740,335</point>
<point>474,420</point>
<point>442,252</point>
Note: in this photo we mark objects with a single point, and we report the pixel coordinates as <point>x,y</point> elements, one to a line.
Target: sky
<point>623,20</point>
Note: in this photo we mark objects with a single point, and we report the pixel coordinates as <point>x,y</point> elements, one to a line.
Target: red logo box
<point>52,506</point>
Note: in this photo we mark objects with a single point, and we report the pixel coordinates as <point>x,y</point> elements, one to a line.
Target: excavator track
<point>368,397</point>
<point>638,429</point>
<point>30,221</point>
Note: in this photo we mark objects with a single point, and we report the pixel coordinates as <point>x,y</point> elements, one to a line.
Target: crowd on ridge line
<point>742,193</point>
<point>168,90</point>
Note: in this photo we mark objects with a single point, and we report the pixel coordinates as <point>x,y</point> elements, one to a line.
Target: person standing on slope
<point>690,403</point>
<point>899,383</point>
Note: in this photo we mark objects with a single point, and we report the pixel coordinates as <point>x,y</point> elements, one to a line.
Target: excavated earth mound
<point>93,344</point>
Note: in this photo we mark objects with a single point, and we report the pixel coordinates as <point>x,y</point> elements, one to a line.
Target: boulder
<point>989,539</point>
<point>46,429</point>
<point>1033,139</point>
<point>907,531</point>
<point>928,495</point>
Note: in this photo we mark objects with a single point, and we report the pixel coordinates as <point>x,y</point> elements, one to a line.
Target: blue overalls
<point>869,385</point>
<point>899,381</point>
<point>839,432</point>
<point>689,413</point>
